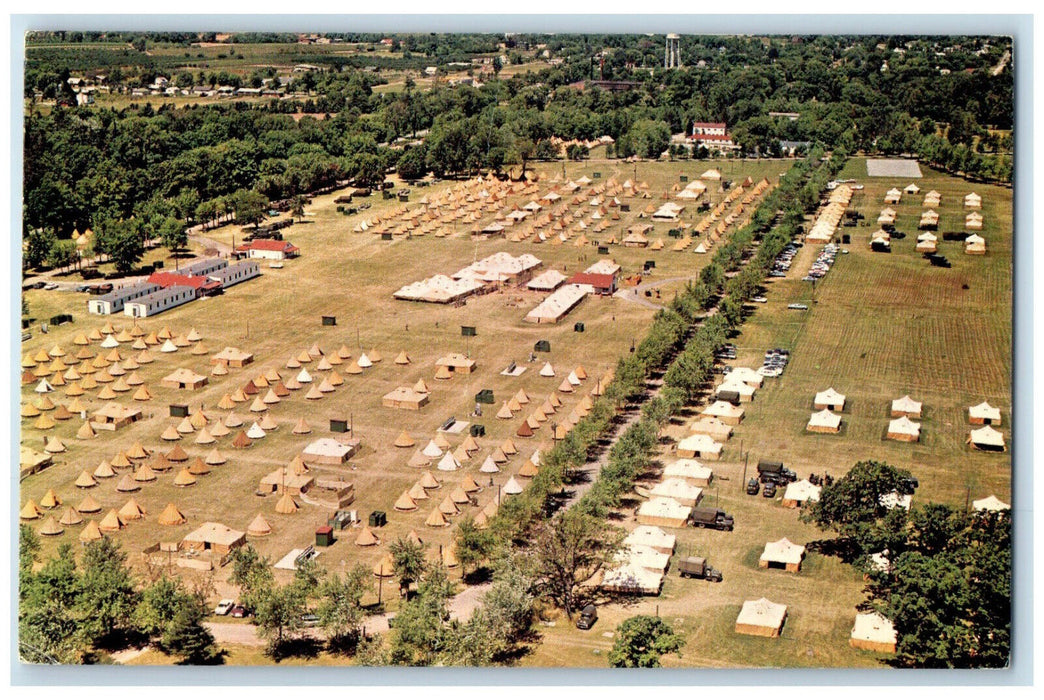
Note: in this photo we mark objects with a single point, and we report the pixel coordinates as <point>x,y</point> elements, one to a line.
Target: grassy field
<point>353,276</point>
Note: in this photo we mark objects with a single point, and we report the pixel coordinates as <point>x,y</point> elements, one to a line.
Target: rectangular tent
<point>782,554</point>
<point>690,471</point>
<point>183,378</point>
<point>329,451</point>
<point>678,490</point>
<point>700,447</point>
<point>663,512</point>
<point>761,618</point>
<point>824,422</point>
<point>873,632</point>
<point>214,537</point>
<point>652,536</point>
<point>404,397</point>
<point>799,492</point>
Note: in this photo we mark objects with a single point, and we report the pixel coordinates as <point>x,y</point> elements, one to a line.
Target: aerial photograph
<point>506,349</point>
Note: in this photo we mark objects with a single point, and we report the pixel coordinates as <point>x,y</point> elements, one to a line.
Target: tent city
<point>529,350</point>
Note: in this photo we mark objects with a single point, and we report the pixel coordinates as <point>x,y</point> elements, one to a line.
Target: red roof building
<point>202,285</point>
<point>602,284</point>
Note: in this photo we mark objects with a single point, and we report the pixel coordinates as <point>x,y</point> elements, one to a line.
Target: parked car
<point>51,285</point>
<point>753,486</point>
<point>760,300</point>
<point>224,607</point>
<point>588,617</point>
<point>798,307</point>
<point>309,620</point>
<point>770,490</point>
<point>239,611</point>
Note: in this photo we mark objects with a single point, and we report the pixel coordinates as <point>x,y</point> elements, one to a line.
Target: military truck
<point>753,486</point>
<point>713,518</point>
<point>697,567</point>
<point>775,472</point>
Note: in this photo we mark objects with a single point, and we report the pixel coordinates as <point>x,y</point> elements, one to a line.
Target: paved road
<point>636,295</point>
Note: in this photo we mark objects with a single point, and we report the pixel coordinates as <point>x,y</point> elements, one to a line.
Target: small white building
<point>159,301</point>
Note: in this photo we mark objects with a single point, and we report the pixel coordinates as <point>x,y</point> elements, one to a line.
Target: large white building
<point>114,301</point>
<point>236,273</point>
<point>159,301</point>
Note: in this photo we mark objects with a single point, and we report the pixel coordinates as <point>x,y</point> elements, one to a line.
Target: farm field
<point>352,276</point>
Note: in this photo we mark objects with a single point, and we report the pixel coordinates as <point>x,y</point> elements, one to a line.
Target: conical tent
<point>286,505</point>
<point>62,413</point>
<point>198,467</point>
<point>85,480</point>
<point>50,527</point>
<point>91,532</point>
<point>334,359</point>
<point>335,379</point>
<point>489,466</point>
<point>303,376</point>
<point>205,437</point>
<point>302,427</point>
<point>402,358</point>
<point>171,516</point>
<point>354,368</point>
<point>436,519</point>
<point>292,363</point>
<point>131,511</point>
<point>128,484</point>
<point>481,521</point>
<point>547,370</point>
<point>142,394</point>
<point>461,455</point>
<point>280,390</point>
<point>440,441</point>
<point>171,434</point>
<point>448,463</point>
<point>326,387</point>
<point>521,397</point>
<point>214,457</point>
<point>303,356</point>
<point>429,481</point>
<point>44,422</point>
<point>498,456</point>
<point>184,478</point>
<point>137,451</point>
<point>30,511</point>
<point>314,393</point>
<point>459,496</point>
<point>470,444</point>
<point>469,485</point>
<point>432,450</point>
<point>404,440</point>
<point>259,406</point>
<point>385,568</point>
<point>443,373</point>
<point>70,517</point>
<point>88,505</point>
<point>291,384</point>
<point>344,353</point>
<point>139,344</point>
<point>405,503</point>
<point>417,492</point>
<point>241,440</point>
<point>524,430</point>
<point>199,419</point>
<point>421,388</point>
<point>267,423</point>
<point>233,421</point>
<point>419,459</point>
<point>364,361</point>
<point>448,507</point>
<point>565,387</point>
<point>144,473</point>
<point>104,471</point>
<point>256,432</point>
<point>324,365</point>
<point>220,369</point>
<point>259,527</point>
<point>167,346</point>
<point>111,522</point>
<point>177,454</point>
<point>512,487</point>
<point>366,538</point>
<point>374,356</point>
<point>528,470</point>
<point>413,537</point>
<point>185,427</point>
<point>50,500</point>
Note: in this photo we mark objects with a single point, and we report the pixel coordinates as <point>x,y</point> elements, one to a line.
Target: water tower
<point>672,52</point>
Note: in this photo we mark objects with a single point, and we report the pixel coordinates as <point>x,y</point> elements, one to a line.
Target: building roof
<point>328,447</point>
<point>549,279</point>
<point>783,551</point>
<point>632,577</point>
<point>173,279</point>
<point>598,281</point>
<point>603,267</point>
<point>722,408</point>
<point>184,375</point>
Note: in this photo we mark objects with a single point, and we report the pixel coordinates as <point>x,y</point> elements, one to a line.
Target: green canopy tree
<point>640,641</point>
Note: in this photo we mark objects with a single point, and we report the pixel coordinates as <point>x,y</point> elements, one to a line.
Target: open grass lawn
<point>353,277</point>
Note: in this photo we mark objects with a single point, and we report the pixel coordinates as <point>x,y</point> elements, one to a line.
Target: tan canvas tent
<point>259,527</point>
<point>782,554</point>
<point>761,618</point>
<point>873,632</point>
<point>824,422</point>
